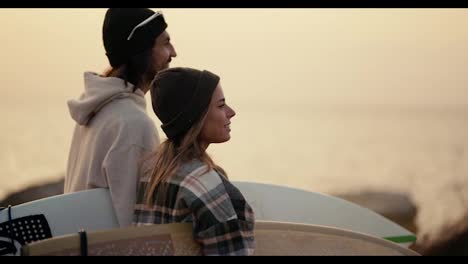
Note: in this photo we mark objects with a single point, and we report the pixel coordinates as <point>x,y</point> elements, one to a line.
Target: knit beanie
<point>123,39</point>
<point>180,96</point>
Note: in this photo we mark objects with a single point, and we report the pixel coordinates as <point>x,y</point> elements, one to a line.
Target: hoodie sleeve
<point>121,170</point>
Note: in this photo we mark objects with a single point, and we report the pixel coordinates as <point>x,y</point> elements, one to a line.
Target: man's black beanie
<point>117,26</point>
<point>180,96</point>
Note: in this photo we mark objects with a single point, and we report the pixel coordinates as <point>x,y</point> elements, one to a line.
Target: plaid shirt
<point>222,219</point>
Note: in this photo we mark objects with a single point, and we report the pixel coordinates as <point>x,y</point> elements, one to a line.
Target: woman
<point>180,182</point>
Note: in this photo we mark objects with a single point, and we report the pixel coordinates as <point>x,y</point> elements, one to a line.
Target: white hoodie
<point>112,133</point>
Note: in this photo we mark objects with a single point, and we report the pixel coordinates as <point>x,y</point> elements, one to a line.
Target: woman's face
<point>216,128</point>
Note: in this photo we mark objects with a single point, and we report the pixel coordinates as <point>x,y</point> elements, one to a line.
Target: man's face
<point>163,51</point>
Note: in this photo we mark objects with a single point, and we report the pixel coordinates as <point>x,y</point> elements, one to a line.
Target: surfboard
<point>284,204</point>
<point>272,238</point>
<point>92,210</point>
<point>54,216</point>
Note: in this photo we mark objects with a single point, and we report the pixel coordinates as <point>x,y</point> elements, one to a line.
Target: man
<point>113,131</point>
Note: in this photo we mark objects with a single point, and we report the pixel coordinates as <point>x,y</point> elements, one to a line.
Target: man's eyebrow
<point>165,39</point>
<point>222,100</point>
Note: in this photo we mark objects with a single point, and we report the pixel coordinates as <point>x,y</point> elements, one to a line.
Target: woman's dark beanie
<point>119,23</point>
<point>180,96</point>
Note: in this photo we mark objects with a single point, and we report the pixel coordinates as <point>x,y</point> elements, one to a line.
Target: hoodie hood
<point>99,91</point>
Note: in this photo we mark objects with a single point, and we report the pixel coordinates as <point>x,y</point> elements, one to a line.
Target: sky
<point>274,56</point>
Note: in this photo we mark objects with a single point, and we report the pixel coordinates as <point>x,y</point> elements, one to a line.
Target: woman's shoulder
<point>196,177</point>
<point>191,168</point>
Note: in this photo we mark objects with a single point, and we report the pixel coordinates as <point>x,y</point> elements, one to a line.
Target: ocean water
<point>420,151</point>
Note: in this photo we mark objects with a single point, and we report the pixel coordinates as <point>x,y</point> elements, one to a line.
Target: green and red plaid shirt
<point>223,221</point>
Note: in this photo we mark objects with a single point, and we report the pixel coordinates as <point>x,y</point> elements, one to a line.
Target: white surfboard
<point>284,204</point>
<point>55,216</point>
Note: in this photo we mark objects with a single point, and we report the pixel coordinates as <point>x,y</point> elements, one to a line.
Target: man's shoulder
<point>125,113</point>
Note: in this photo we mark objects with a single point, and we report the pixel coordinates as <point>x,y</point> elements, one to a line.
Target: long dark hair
<point>139,70</point>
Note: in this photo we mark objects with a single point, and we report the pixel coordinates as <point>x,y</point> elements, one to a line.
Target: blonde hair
<point>171,155</point>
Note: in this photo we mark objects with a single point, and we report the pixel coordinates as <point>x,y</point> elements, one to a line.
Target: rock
<point>451,240</point>
<point>33,193</point>
<point>397,207</point>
